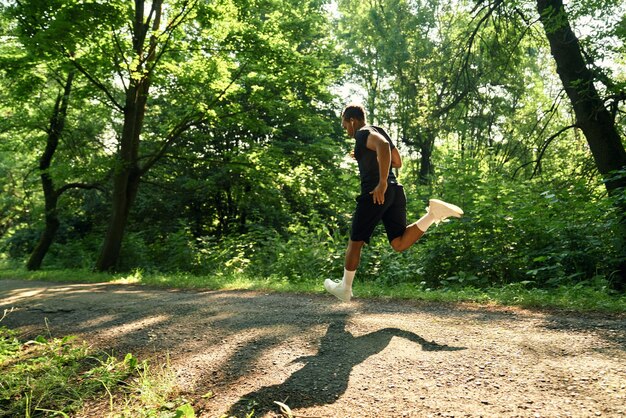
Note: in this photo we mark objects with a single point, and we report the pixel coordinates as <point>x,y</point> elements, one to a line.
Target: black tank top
<point>366,158</point>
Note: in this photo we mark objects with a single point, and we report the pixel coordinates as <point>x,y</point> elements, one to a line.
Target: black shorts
<point>367,215</point>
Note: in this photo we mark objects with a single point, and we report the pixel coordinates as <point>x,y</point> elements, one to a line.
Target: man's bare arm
<point>396,160</point>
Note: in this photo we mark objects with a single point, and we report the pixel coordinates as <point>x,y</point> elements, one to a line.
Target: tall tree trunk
<point>126,178</point>
<point>592,117</point>
<point>425,164</point>
<point>128,173</point>
<point>51,195</point>
<point>426,150</point>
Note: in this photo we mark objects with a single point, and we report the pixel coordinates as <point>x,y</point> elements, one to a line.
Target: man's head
<point>353,118</point>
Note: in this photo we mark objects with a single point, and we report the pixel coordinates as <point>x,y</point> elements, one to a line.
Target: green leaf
<point>130,360</point>
<point>185,411</point>
<point>41,339</point>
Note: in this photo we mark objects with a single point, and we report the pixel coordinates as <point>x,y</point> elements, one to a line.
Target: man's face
<point>348,126</point>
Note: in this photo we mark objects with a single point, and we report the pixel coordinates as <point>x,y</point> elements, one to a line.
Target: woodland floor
<point>323,358</point>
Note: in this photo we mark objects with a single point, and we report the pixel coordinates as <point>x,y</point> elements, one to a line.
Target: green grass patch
<point>579,298</point>
<point>585,296</point>
<point>58,376</point>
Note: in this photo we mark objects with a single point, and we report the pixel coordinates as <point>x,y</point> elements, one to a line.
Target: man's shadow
<point>324,377</point>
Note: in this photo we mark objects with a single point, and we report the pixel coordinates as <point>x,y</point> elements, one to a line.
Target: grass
<point>577,298</point>
<point>582,297</point>
<point>57,376</point>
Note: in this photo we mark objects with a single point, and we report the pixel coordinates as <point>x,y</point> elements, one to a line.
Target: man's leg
<point>353,255</point>
<point>343,289</point>
<point>366,216</point>
<point>410,236</point>
<point>436,212</point>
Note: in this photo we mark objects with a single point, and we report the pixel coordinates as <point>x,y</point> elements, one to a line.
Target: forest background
<point>203,137</point>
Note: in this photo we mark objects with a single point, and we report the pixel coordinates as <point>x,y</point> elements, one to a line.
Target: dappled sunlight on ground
<point>373,358</point>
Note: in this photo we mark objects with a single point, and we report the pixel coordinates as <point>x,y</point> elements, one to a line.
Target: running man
<point>382,198</point>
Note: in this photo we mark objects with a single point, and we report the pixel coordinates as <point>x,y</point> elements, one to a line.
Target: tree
<point>149,41</point>
<point>51,194</point>
<point>592,117</point>
<point>415,80</point>
<point>578,75</point>
<point>51,191</point>
<point>123,62</point>
<point>241,167</point>
<point>38,89</point>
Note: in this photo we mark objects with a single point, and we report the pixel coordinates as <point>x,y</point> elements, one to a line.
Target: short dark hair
<point>353,110</point>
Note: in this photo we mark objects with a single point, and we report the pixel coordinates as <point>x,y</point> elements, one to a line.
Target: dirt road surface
<point>323,358</point>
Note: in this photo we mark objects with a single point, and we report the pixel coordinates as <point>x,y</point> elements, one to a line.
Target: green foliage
<point>216,64</point>
<point>255,187</point>
<point>56,376</point>
<point>52,375</point>
<point>264,253</point>
<point>531,231</point>
<point>9,345</point>
<point>62,26</point>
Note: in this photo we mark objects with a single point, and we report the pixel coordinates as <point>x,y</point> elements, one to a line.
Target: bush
<point>521,231</point>
<point>306,253</point>
<point>544,233</point>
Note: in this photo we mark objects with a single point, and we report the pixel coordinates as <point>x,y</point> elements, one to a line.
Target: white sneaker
<point>442,210</point>
<point>337,289</point>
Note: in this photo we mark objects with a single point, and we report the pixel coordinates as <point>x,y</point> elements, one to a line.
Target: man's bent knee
<point>397,245</point>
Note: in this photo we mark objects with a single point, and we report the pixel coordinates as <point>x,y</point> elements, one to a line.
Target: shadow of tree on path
<point>325,376</point>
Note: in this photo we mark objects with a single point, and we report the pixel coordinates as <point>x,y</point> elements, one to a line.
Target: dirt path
<point>362,359</point>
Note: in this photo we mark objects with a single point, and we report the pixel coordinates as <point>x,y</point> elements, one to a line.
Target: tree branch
<point>545,146</point>
<point>174,135</point>
<point>95,82</point>
<point>140,28</point>
<point>171,138</point>
<point>470,42</point>
<point>118,45</point>
<point>613,106</point>
<point>84,186</point>
<point>171,27</point>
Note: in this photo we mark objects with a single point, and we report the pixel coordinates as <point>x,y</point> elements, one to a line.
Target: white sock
<point>348,276</point>
<point>425,221</point>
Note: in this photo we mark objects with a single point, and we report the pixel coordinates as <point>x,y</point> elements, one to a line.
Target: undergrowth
<point>47,376</point>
